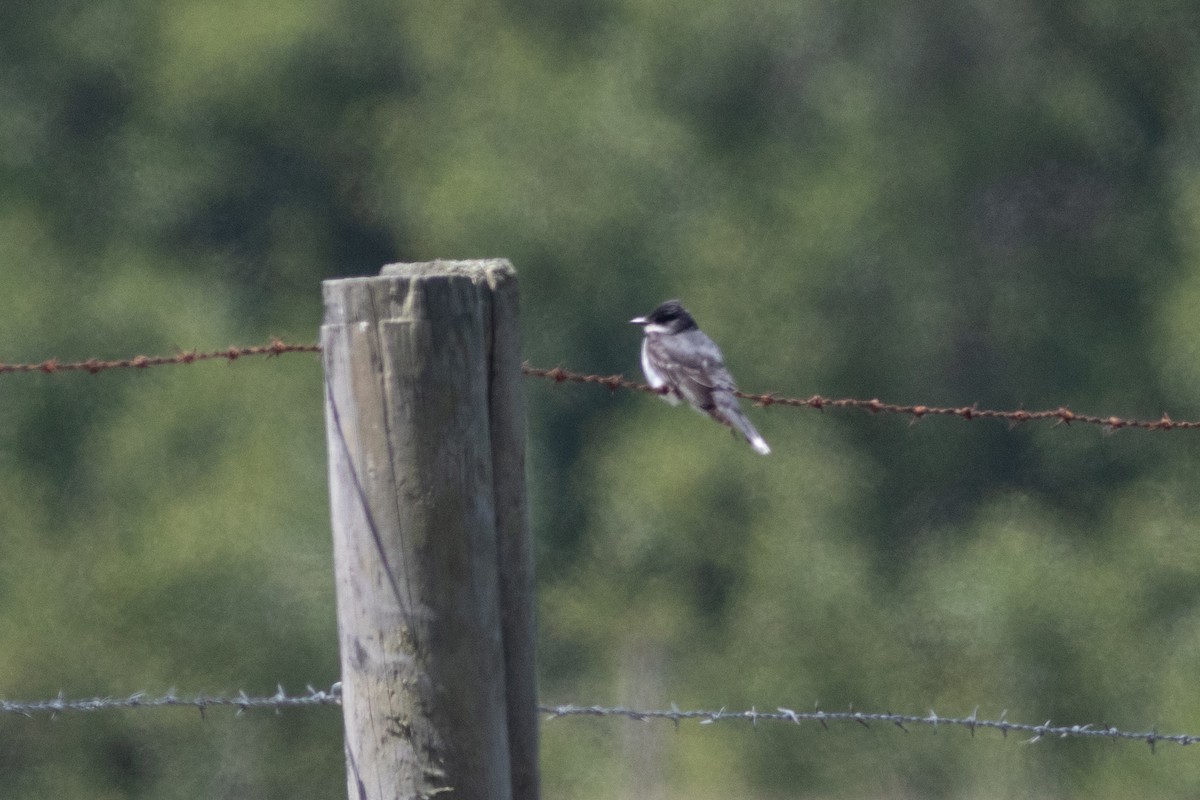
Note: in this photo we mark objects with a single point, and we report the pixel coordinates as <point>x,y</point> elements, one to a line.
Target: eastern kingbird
<point>677,355</point>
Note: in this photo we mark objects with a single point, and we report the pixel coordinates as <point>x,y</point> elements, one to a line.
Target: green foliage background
<point>947,203</point>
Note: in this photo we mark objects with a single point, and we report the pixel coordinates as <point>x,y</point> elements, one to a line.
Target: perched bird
<point>677,355</point>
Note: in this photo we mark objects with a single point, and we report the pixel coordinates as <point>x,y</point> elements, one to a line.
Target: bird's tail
<point>731,414</point>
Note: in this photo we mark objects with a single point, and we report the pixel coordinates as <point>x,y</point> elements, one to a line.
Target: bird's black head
<point>670,317</point>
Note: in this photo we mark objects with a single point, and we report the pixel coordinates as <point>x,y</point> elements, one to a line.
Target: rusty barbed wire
<point>1046,730</point>
<point>276,347</point>
<point>1061,415</point>
<point>242,702</point>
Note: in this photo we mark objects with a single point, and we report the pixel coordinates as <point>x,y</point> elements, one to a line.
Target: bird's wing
<point>691,364</point>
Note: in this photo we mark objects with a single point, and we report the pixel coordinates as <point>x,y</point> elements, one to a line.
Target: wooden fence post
<point>434,571</point>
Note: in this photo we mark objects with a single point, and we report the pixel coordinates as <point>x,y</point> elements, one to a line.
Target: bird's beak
<point>639,321</point>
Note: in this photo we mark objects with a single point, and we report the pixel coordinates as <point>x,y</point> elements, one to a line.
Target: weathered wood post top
<point>426,436</point>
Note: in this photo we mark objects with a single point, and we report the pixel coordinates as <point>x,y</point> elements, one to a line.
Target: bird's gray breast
<point>655,374</point>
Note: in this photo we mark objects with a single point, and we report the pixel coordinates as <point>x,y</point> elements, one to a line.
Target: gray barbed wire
<point>241,701</point>
<point>823,718</point>
<point>333,696</point>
